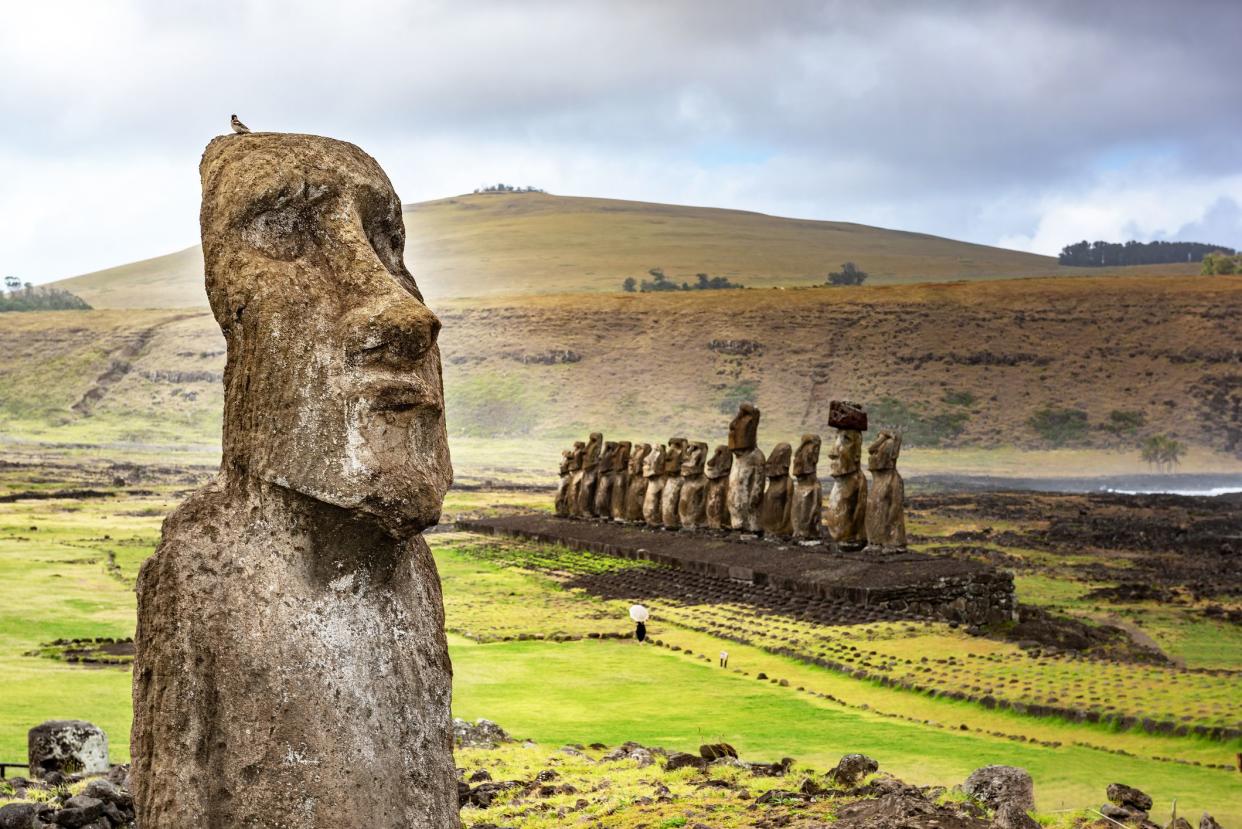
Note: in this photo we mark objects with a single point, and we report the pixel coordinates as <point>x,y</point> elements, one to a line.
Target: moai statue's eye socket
<point>277,232</point>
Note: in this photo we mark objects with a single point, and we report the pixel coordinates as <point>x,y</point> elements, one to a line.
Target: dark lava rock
<point>781,796</point>
<point>1124,795</point>
<point>682,759</point>
<point>996,786</point>
<point>79,811</point>
<point>717,751</point>
<point>906,808</point>
<point>852,768</point>
<point>1208,822</point>
<point>1013,816</point>
<point>480,776</point>
<point>482,733</point>
<point>771,769</point>
<point>22,815</point>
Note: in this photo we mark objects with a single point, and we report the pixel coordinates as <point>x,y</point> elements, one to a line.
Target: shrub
<point>1162,452</point>
<point>1124,422</point>
<point>630,285</point>
<point>959,398</point>
<point>743,392</point>
<point>919,427</point>
<point>42,299</point>
<point>848,275</point>
<point>1059,426</point>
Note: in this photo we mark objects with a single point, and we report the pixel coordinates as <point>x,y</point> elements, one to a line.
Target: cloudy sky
<point>1026,124</point>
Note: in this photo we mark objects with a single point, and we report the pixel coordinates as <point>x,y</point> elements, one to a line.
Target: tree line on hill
<point>660,282</point>
<point>30,298</point>
<point>1109,254</point>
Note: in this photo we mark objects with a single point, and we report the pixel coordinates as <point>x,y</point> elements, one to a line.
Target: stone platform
<point>908,583</point>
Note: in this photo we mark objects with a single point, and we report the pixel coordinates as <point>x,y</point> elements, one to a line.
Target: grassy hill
<point>535,243</point>
<point>963,367</point>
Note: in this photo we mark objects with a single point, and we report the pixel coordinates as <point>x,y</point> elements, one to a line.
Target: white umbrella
<point>639,613</point>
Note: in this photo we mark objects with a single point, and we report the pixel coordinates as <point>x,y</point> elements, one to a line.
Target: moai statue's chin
<point>774,512</point>
<point>576,457</point>
<point>618,485</point>
<point>717,473</point>
<point>603,485</point>
<point>562,487</point>
<point>692,503</point>
<point>636,489</point>
<point>291,668</point>
<point>886,497</point>
<point>846,513</point>
<point>745,494</point>
<point>806,505</point>
<point>670,497</point>
<point>590,476</point>
<point>653,495</point>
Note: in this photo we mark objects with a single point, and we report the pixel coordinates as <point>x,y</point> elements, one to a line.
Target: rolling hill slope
<point>535,243</point>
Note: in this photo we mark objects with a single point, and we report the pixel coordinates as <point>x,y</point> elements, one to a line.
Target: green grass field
<point>56,560</point>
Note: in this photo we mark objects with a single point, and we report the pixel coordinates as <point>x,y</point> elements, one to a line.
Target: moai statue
<point>562,488</point>
<point>847,502</point>
<point>620,481</point>
<point>886,499</point>
<point>671,495</point>
<point>636,489</point>
<point>774,512</point>
<point>576,457</point>
<point>807,503</point>
<point>291,667</point>
<point>653,496</point>
<point>603,480</point>
<point>590,476</point>
<point>746,475</point>
<point>692,504</point>
<point>717,472</point>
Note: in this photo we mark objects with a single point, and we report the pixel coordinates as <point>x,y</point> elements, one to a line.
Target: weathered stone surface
<point>603,487</point>
<point>852,768</point>
<point>842,414</point>
<point>653,496</point>
<point>806,505</point>
<point>66,746</point>
<point>576,457</point>
<point>995,786</point>
<point>717,472</point>
<point>619,483</point>
<point>636,488</point>
<point>777,490</point>
<point>291,667</point>
<point>590,475</point>
<point>692,503</point>
<point>23,815</point>
<point>482,733</point>
<point>846,514</point>
<point>1208,822</point>
<point>1124,795</point>
<point>717,751</point>
<point>563,483</point>
<point>670,497</point>
<point>745,495</point>
<point>886,495</point>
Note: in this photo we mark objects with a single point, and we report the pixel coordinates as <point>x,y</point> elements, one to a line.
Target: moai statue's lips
<point>400,397</point>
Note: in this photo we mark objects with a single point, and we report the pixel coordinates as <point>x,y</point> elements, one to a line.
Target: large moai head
<point>693,459</point>
<point>744,429</point>
<point>883,451</point>
<point>621,460</point>
<point>576,456</point>
<point>777,465</point>
<point>845,453</point>
<point>806,459</point>
<point>720,463</point>
<point>638,458</point>
<point>332,386</point>
<point>673,455</point>
<point>607,457</point>
<point>595,444</point>
<point>653,464</point>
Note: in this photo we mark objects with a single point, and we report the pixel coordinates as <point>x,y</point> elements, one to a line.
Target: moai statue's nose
<point>399,328</point>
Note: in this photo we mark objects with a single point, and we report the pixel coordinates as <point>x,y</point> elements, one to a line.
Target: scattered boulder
<point>997,786</point>
<point>852,768</point>
<point>68,747</point>
<point>79,811</point>
<point>1179,823</point>
<point>23,815</point>
<point>682,760</point>
<point>717,751</point>
<point>479,734</point>
<point>1013,816</point>
<point>1208,822</point>
<point>1124,795</point>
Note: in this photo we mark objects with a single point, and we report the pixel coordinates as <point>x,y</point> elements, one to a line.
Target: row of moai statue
<point>677,486</point>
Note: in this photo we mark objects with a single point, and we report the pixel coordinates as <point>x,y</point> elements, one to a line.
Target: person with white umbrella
<point>640,615</point>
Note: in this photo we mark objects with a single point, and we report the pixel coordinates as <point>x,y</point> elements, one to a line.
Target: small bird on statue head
<point>239,127</point>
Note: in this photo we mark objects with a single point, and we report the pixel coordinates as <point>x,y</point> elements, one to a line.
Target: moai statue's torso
<point>671,495</point>
<point>717,473</point>
<point>653,496</point>
<point>576,456</point>
<point>847,502</point>
<point>886,496</point>
<point>636,489</point>
<point>745,496</point>
<point>590,476</point>
<point>692,504</point>
<point>603,478</point>
<point>807,502</point>
<point>620,481</point>
<point>291,668</point>
<point>562,487</point>
<point>777,489</point>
